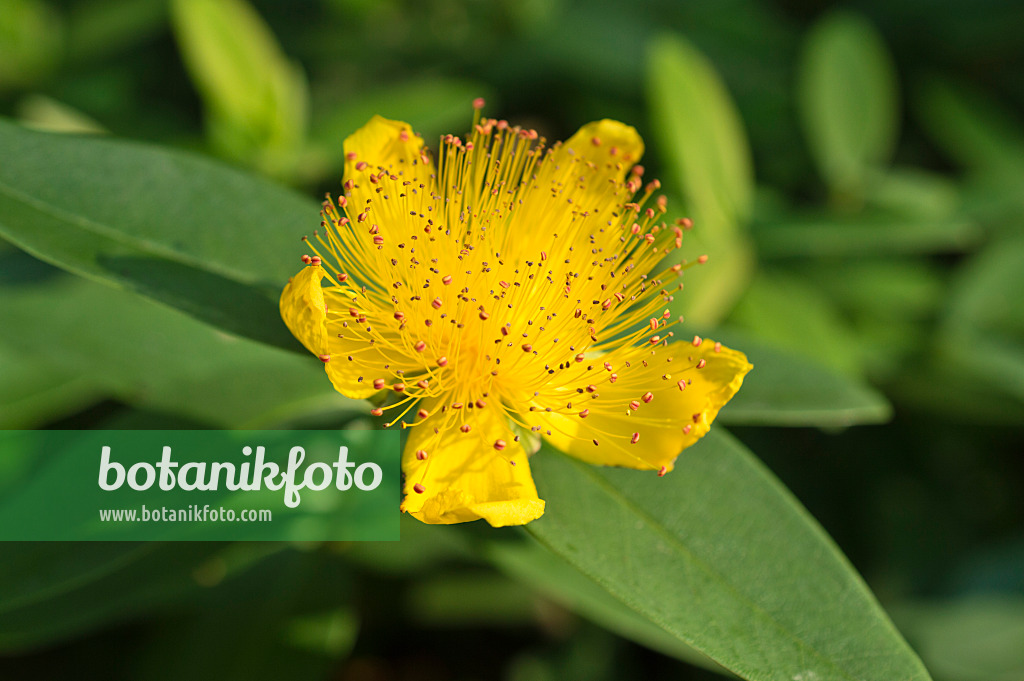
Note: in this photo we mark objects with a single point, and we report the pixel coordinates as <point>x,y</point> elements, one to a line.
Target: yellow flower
<point>506,294</point>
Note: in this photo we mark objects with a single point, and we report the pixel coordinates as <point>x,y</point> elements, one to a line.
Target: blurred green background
<point>856,174</point>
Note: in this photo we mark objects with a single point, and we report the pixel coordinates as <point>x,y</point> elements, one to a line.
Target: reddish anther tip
<point>423,413</point>
<point>442,361</point>
<point>446,279</point>
<point>662,471</point>
<point>702,363</point>
<point>404,135</point>
<point>378,240</point>
<point>376,411</point>
<point>465,428</point>
<point>697,340</point>
<point>527,347</point>
<point>306,259</point>
<point>655,340</point>
<point>378,383</point>
<point>718,347</point>
<point>634,405</point>
<point>682,384</point>
<point>436,303</point>
<point>596,141</point>
<point>479,103</point>
<point>361,165</point>
<point>351,156</point>
<point>638,170</point>
<point>702,259</point>
<point>686,429</point>
<point>398,387</point>
<point>315,261</point>
<point>480,404</point>
<point>500,444</point>
<point>419,489</point>
<point>635,438</point>
<point>613,378</point>
<point>648,396</point>
<point>400,316</point>
<point>420,346</point>
<point>325,358</point>
<point>585,413</point>
<point>484,315</point>
<point>421,455</point>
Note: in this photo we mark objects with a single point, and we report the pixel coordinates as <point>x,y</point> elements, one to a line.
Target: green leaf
<point>532,564</point>
<point>150,356</point>
<point>848,100</point>
<point>720,555</point>
<point>188,232</point>
<point>791,314</point>
<point>34,391</point>
<point>785,389</point>
<point>256,100</point>
<point>30,42</point>
<point>973,638</point>
<point>698,131</point>
<point>867,234</point>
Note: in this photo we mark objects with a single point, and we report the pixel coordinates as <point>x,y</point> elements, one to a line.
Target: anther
<point>377,411</point>
<point>378,383</point>
<point>398,387</point>
<point>662,471</point>
<point>702,363</point>
<point>442,362</point>
<point>465,428</point>
<point>419,489</point>
<point>324,358</point>
<point>585,413</point>
<point>648,396</point>
<point>421,455</point>
<point>420,346</point>
<point>423,413</point>
<point>697,340</point>
<point>635,438</point>
<point>500,444</point>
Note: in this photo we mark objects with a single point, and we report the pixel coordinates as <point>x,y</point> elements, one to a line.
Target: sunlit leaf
<point>256,99</point>
<point>700,135</point>
<point>718,554</point>
<point>188,232</point>
<point>147,355</point>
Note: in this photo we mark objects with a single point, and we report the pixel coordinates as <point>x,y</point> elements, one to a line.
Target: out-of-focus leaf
<point>975,638</point>
<point>785,389</point>
<point>976,370</point>
<point>972,129</point>
<point>893,288</point>
<point>256,99</point>
<point>983,330</point>
<point>148,355</point>
<point>34,391</point>
<point>720,555</point>
<point>537,567</point>
<point>848,100</point>
<point>470,599</point>
<point>30,42</point>
<point>871,234</point>
<point>913,193</point>
<point>700,134</point>
<point>108,585</point>
<point>433,105</point>
<point>794,316</point>
<point>188,232</point>
<point>43,113</point>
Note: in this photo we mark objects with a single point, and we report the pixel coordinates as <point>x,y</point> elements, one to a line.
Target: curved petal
<point>669,422</point>
<point>611,146</point>
<point>464,478</point>
<point>304,310</point>
<point>392,146</point>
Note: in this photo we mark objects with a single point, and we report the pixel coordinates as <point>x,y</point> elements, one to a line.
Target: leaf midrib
<point>611,491</point>
<point>145,246</point>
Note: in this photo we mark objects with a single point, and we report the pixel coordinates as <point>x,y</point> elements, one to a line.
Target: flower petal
<point>611,146</point>
<point>304,310</point>
<point>465,478</point>
<point>669,422</point>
